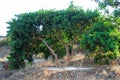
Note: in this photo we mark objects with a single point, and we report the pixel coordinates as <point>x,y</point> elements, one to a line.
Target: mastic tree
<point>64,27</point>
<point>51,32</point>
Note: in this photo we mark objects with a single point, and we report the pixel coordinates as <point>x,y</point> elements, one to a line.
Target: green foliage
<point>103,38</point>
<point>117,17</point>
<point>61,28</point>
<point>117,12</point>
<point>101,59</point>
<point>21,38</point>
<point>107,6</point>
<point>105,3</point>
<point>104,58</point>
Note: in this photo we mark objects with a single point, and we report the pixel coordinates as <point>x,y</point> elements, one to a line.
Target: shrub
<point>103,40</point>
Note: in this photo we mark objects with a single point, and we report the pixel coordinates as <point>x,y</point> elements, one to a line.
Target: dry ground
<point>38,71</point>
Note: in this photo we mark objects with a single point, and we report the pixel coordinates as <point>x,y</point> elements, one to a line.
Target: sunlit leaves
<point>103,39</point>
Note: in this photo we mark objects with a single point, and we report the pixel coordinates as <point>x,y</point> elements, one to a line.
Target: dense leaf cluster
<point>103,40</point>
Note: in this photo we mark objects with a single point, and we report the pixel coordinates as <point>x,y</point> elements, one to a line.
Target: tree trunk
<point>72,52</point>
<point>67,54</point>
<point>51,50</point>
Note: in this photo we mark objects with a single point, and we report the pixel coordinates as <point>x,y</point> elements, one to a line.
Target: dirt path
<point>37,73</point>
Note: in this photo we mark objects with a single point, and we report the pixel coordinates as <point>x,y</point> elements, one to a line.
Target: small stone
<point>104,72</point>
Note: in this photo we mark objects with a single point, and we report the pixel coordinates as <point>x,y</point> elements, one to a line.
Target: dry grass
<point>36,72</point>
<point>116,69</point>
<point>3,42</point>
<point>39,73</point>
<point>78,57</point>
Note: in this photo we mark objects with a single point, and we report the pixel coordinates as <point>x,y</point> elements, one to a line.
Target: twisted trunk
<point>51,50</point>
<point>67,57</point>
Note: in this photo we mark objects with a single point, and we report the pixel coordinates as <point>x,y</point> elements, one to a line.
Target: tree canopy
<point>105,3</point>
<point>55,32</point>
